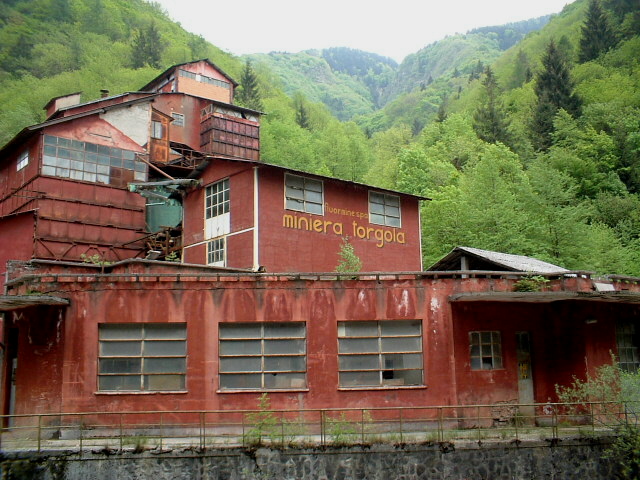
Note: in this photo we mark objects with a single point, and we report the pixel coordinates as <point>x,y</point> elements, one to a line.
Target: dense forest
<point>525,137</point>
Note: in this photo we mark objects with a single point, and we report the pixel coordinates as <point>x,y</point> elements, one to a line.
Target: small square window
<point>178,119</point>
<point>23,160</point>
<point>304,194</point>
<point>485,350</point>
<point>216,252</point>
<point>384,209</point>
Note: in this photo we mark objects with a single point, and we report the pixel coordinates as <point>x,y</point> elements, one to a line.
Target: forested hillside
<point>535,150</point>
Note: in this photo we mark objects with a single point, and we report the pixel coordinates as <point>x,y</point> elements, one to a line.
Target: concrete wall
<point>578,459</point>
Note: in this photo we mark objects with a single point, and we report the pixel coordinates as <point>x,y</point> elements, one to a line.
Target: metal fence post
<point>322,428</point>
<point>39,431</point>
<point>401,426</point>
<point>120,432</point>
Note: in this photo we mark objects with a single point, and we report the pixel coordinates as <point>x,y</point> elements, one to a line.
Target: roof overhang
<point>547,297</point>
<point>10,303</point>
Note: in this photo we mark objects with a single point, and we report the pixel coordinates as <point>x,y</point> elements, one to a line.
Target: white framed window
<point>157,130</point>
<point>142,357</point>
<point>380,354</point>
<point>304,194</point>
<point>217,252</point>
<point>485,350</point>
<point>217,199</point>
<point>23,160</point>
<point>384,209</point>
<point>261,356</point>
<point>627,342</point>
<point>178,119</point>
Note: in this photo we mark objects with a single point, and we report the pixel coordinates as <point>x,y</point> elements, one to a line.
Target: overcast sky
<point>392,28</point>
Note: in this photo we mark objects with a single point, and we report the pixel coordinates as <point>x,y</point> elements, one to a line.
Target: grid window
<point>304,194</point>
<point>216,252</point>
<point>380,354</point>
<point>485,350</point>
<point>90,162</point>
<point>217,199</point>
<point>204,79</point>
<point>384,209</point>
<point>23,160</point>
<point>142,357</point>
<point>178,120</point>
<point>257,356</point>
<point>627,342</point>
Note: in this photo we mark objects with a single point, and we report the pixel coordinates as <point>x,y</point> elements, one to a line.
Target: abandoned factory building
<point>151,261</point>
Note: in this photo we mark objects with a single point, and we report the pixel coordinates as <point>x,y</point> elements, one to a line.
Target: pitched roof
<point>174,67</point>
<point>488,260</point>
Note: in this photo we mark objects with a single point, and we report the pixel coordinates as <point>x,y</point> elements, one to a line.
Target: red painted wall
<point>204,303</point>
<point>17,227</point>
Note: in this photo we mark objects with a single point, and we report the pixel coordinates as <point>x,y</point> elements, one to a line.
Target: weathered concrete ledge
<point>565,459</point>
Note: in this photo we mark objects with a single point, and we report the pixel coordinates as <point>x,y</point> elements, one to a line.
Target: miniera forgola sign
<point>353,228</point>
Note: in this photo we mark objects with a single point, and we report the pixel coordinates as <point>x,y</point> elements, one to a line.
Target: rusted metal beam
<point>10,303</point>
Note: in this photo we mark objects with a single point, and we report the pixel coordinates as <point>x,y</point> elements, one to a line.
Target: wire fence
<point>141,430</point>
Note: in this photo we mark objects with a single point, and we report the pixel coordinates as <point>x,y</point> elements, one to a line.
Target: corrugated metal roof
<point>516,263</point>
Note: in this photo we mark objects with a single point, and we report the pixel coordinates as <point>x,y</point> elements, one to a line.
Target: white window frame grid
<point>300,197</point>
<point>627,343</point>
<point>217,252</point>
<point>485,350</point>
<point>387,375</point>
<point>217,199</point>
<point>387,216</point>
<point>178,119</point>
<point>295,378</point>
<point>23,160</point>
<point>152,339</point>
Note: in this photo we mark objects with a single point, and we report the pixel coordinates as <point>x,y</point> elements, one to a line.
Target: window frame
<point>157,130</point>
<point>256,333</point>
<point>305,203</point>
<point>386,376</point>
<point>22,160</point>
<point>627,340</point>
<point>494,353</point>
<point>150,334</point>
<point>217,252</point>
<point>217,206</point>
<point>387,219</point>
<point>178,119</point>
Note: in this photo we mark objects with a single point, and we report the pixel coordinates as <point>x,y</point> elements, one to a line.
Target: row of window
<point>204,79</point>
<point>273,355</point>
<point>303,194</point>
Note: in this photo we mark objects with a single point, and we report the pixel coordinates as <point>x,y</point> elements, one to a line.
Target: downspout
<point>256,218</point>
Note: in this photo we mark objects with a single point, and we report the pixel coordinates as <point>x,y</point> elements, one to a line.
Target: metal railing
<point>140,430</point>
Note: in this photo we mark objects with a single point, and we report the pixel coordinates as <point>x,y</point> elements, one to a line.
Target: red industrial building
<point>95,197</point>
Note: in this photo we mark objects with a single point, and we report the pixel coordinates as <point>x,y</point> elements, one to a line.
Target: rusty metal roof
<point>10,303</point>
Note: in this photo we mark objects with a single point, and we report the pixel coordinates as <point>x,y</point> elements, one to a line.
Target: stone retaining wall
<point>569,459</point>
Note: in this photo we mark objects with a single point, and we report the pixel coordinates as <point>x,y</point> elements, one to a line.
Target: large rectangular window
<point>90,162</point>
<point>380,354</point>
<point>485,350</point>
<point>256,356</point>
<point>217,199</point>
<point>304,194</point>
<point>142,357</point>
<point>627,341</point>
<point>384,209</point>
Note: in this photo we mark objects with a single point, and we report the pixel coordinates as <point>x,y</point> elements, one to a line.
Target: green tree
<point>147,47</point>
<point>597,36</point>
<point>348,260</point>
<point>554,90</point>
<point>249,93</point>
<point>489,120</point>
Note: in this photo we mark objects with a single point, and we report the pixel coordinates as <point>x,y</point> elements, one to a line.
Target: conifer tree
<point>554,90</point>
<point>249,93</point>
<point>489,120</point>
<point>147,47</point>
<point>597,36</point>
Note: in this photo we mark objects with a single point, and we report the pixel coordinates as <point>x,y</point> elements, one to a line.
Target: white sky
<point>392,28</point>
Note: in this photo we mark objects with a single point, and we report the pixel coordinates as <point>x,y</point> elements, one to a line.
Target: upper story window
<point>216,252</point>
<point>178,119</point>
<point>217,199</point>
<point>204,79</point>
<point>304,194</point>
<point>157,130</point>
<point>90,162</point>
<point>23,160</point>
<point>384,209</point>
<point>142,357</point>
<point>258,356</point>
<point>380,354</point>
<point>627,340</point>
<point>485,350</point>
